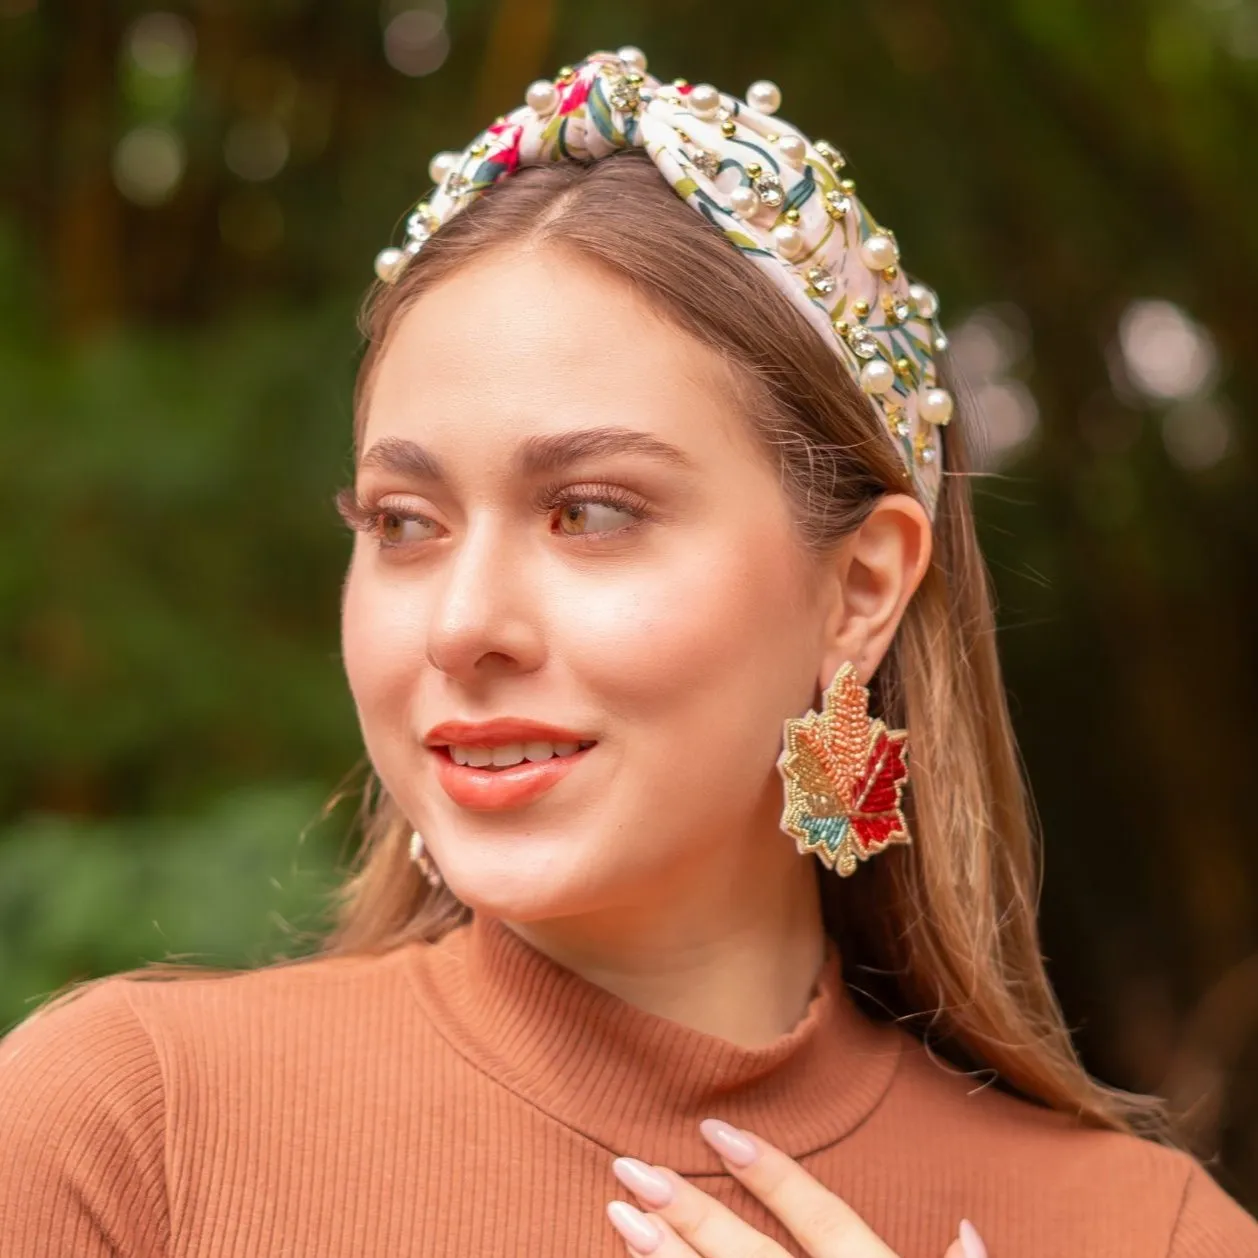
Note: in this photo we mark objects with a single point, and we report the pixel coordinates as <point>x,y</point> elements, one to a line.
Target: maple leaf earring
<point>844,775</point>
<point>423,860</point>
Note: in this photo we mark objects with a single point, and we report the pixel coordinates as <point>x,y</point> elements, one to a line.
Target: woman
<point>664,569</point>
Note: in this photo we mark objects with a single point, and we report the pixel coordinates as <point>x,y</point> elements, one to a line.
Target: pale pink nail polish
<point>728,1141</point>
<point>971,1241</point>
<point>644,1180</point>
<point>634,1226</point>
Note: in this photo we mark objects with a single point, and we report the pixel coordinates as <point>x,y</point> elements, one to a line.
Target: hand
<point>686,1223</point>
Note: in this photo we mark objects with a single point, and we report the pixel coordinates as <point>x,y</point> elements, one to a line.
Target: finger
<point>645,1233</point>
<point>955,1250</point>
<point>823,1223</point>
<point>701,1223</point>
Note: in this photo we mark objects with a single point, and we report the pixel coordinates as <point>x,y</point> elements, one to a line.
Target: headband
<point>775,195</point>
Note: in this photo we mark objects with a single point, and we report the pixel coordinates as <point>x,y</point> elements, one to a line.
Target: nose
<point>483,617</point>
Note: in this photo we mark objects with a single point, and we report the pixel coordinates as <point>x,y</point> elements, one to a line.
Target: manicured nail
<point>639,1178</point>
<point>728,1141</point>
<point>971,1241</point>
<point>640,1233</point>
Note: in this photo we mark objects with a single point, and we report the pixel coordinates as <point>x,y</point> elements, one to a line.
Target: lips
<point>499,732</point>
<point>486,790</point>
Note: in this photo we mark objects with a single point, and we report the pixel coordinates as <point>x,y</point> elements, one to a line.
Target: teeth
<point>512,753</point>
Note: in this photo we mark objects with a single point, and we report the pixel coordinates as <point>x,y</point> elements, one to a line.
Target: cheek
<point>382,641</point>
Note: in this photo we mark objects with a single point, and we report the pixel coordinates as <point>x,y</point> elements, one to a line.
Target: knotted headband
<point>774,194</point>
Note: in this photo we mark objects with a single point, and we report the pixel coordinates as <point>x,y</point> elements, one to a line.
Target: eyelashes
<point>371,517</point>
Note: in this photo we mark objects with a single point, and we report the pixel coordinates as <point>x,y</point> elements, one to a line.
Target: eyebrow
<point>537,455</point>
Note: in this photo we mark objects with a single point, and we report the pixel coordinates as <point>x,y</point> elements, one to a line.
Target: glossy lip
<point>499,732</point>
<point>486,790</point>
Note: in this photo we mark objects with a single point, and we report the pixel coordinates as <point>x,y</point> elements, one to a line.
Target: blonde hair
<point>942,934</point>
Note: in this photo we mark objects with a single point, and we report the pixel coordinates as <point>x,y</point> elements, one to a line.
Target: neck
<point>735,961</point>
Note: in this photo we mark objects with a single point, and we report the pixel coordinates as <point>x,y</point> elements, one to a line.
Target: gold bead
<point>566,74</point>
<point>753,170</point>
<point>681,82</point>
<point>772,137</point>
<point>848,185</point>
<point>727,128</point>
<point>860,307</point>
<point>792,215</point>
<point>903,366</point>
<point>889,273</point>
<point>842,327</point>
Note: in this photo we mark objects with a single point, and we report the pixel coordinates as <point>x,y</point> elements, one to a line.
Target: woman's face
<point>575,527</point>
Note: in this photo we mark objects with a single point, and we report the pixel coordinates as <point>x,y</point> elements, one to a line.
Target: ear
<point>876,570</point>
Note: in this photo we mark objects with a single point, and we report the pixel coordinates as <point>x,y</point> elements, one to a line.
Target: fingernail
<point>728,1141</point>
<point>634,1226</point>
<point>971,1241</point>
<point>649,1184</point>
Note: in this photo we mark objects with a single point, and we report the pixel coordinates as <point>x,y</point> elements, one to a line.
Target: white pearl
<point>704,100</point>
<point>441,165</point>
<point>935,406</point>
<point>744,202</point>
<point>389,263</point>
<point>877,376</point>
<point>542,97</point>
<point>633,57</point>
<point>925,300</point>
<point>764,97</point>
<point>792,147</point>
<point>789,239</point>
<point>879,252</point>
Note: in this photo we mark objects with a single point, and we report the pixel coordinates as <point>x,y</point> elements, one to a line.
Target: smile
<point>507,776</point>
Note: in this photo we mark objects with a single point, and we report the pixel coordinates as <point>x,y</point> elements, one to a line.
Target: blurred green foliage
<point>185,231</point>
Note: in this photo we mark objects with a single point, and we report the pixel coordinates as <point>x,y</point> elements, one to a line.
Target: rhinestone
<point>941,343</point>
<point>707,162</point>
<point>848,185</point>
<point>831,154</point>
<point>897,308</point>
<point>456,183</point>
<point>898,421</point>
<point>420,226</point>
<point>863,342</point>
<point>769,188</point>
<point>821,280</point>
<point>837,205</point>
<point>624,95</point>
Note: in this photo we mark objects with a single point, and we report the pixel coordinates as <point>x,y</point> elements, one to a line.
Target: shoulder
<point>82,1127</point>
<point>1121,1184</point>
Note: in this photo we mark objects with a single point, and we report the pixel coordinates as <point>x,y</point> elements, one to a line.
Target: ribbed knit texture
<point>466,1098</point>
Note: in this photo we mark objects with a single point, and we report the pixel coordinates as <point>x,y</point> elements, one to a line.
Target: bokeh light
<point>416,41</point>
<point>256,149</point>
<point>148,163</point>
<point>162,44</point>
<point>1197,433</point>
<point>1165,353</point>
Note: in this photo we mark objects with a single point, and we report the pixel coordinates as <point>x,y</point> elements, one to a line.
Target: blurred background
<point>191,197</point>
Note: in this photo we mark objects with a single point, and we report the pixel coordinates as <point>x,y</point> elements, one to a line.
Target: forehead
<point>535,340</point>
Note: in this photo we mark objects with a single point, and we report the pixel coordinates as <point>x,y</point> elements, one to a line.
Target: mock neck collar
<point>638,1083</point>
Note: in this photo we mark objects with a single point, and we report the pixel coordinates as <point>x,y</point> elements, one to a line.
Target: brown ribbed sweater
<point>466,1098</point>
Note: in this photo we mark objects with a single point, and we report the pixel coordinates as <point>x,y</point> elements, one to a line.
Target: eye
<point>396,529</point>
<point>585,512</point>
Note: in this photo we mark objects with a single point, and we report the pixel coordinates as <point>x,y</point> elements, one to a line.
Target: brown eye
<point>581,517</point>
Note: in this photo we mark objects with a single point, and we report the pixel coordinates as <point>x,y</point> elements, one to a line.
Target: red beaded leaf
<point>876,816</point>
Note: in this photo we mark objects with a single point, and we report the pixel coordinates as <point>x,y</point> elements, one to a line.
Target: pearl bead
<point>877,376</point>
<point>792,147</point>
<point>441,165</point>
<point>635,58</point>
<point>744,202</point>
<point>879,252</point>
<point>764,96</point>
<point>935,406</point>
<point>542,97</point>
<point>389,263</point>
<point>704,100</point>
<point>925,300</point>
<point>790,240</point>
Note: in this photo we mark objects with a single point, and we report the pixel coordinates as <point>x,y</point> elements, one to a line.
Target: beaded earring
<point>423,860</point>
<point>844,775</point>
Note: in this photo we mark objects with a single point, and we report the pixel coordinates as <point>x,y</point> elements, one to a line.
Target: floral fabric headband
<point>777,196</point>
